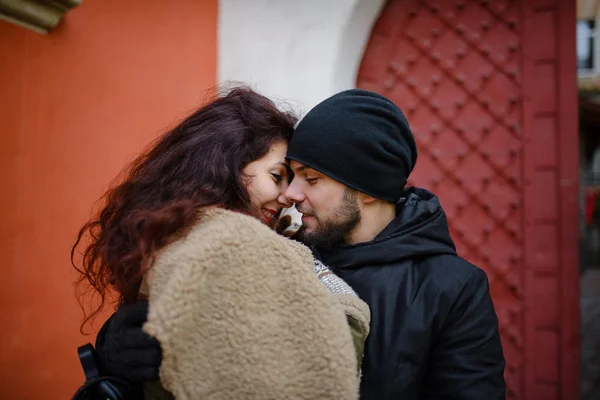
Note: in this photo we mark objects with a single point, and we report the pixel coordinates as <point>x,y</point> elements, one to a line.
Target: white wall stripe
<point>299,51</point>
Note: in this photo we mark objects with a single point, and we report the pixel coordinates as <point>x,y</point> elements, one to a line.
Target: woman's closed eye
<point>276,177</point>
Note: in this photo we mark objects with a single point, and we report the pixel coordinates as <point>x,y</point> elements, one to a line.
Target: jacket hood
<point>420,229</point>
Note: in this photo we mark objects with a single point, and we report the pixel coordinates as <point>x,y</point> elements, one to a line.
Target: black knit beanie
<point>360,139</point>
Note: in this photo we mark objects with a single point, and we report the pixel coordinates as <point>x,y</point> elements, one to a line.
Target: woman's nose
<point>284,201</point>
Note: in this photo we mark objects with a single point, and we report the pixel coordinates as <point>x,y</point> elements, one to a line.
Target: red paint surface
<point>490,91</point>
<point>75,106</point>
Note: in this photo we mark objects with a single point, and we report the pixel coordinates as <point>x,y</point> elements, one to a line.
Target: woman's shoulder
<point>219,224</point>
<point>223,230</point>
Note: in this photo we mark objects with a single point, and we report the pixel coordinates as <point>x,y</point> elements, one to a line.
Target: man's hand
<point>124,349</point>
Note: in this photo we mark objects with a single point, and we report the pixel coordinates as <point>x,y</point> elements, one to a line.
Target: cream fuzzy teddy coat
<point>241,314</point>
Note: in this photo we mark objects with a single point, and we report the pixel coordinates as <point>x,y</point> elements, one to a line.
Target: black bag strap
<point>87,357</point>
<point>97,386</point>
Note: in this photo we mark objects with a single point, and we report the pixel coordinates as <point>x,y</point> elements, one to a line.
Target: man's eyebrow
<point>300,169</point>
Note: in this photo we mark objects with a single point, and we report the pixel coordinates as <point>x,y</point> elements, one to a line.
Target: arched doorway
<point>489,88</point>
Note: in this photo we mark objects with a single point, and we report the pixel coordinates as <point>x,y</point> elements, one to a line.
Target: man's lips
<point>306,216</point>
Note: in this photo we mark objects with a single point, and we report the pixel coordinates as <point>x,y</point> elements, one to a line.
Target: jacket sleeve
<point>466,360</point>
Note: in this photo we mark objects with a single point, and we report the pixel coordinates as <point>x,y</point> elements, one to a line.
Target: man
<point>434,331</point>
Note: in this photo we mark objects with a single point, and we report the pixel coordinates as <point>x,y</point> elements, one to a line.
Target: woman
<point>236,308</point>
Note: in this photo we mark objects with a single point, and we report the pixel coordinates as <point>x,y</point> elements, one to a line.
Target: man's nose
<point>294,193</point>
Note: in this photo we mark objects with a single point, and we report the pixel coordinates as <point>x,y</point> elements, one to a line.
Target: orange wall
<point>75,106</point>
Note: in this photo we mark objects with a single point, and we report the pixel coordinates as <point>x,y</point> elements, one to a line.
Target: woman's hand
<point>124,350</point>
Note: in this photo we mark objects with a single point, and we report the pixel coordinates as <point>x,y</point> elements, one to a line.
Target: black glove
<point>124,350</point>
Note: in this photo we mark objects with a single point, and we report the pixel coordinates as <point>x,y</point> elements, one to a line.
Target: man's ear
<point>366,199</point>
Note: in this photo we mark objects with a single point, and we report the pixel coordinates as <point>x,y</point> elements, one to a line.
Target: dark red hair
<point>197,164</point>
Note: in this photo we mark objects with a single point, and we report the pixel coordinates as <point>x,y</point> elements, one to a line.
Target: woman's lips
<point>269,215</point>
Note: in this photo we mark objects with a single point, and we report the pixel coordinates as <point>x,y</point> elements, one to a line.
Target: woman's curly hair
<point>197,164</point>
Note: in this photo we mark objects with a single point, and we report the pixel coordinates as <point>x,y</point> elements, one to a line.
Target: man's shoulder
<point>451,273</point>
<point>447,263</point>
<point>438,273</point>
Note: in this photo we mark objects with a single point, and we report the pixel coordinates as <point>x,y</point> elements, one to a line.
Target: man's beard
<point>336,230</point>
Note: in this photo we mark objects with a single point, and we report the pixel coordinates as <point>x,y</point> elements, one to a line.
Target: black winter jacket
<point>434,331</point>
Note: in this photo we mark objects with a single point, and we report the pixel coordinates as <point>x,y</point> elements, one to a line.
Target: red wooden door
<point>489,89</point>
